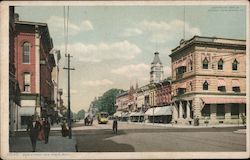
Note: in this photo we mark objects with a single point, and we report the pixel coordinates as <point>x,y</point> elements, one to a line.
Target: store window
<point>235,110</point>
<point>220,111</point>
<point>220,64</point>
<point>205,64</point>
<point>205,112</point>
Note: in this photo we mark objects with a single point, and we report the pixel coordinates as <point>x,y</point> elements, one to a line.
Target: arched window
<point>205,63</point>
<point>220,64</point>
<point>26,52</point>
<point>205,85</point>
<point>235,65</point>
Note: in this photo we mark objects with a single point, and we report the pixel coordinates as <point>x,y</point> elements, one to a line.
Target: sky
<point>113,46</point>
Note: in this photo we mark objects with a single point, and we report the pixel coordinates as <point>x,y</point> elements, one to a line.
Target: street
<point>149,138</point>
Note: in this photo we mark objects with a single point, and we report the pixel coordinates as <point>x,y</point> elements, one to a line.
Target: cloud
<point>103,51</point>
<point>167,71</point>
<point>56,26</point>
<point>136,71</point>
<point>87,26</point>
<point>131,32</point>
<point>104,82</point>
<point>162,31</point>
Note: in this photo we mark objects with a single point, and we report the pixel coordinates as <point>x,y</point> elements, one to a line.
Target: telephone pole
<point>69,110</point>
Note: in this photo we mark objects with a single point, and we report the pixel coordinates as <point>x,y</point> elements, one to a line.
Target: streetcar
<point>102,118</point>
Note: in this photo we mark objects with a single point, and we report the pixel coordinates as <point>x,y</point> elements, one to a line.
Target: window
<point>191,86</point>
<point>25,120</point>
<point>205,85</point>
<point>235,65</point>
<point>220,64</point>
<point>236,89</point>
<point>206,111</point>
<point>222,88</point>
<point>26,52</point>
<point>205,64</point>
<point>220,111</point>
<point>26,82</point>
<point>181,91</point>
<point>235,110</point>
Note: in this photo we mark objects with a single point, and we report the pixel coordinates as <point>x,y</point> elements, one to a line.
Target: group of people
<point>38,129</point>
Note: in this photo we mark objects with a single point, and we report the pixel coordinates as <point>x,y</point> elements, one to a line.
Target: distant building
<point>34,65</point>
<point>55,80</point>
<point>209,80</point>
<point>156,70</point>
<point>93,109</point>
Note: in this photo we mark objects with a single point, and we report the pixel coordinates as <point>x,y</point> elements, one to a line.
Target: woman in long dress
<point>41,136</point>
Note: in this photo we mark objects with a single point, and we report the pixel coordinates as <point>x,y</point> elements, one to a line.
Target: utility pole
<point>69,110</point>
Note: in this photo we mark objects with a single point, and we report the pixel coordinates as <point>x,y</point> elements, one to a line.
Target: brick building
<point>209,80</point>
<point>34,65</point>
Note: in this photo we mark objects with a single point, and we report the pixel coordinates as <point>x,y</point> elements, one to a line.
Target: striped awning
<point>216,100</point>
<point>221,82</point>
<point>235,83</point>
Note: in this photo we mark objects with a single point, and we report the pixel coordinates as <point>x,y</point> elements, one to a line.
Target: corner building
<point>209,80</point>
<point>34,65</point>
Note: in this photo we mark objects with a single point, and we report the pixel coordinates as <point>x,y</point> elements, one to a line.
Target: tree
<point>106,103</point>
<point>81,114</point>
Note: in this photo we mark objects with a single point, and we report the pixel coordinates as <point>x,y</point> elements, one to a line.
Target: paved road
<point>148,138</point>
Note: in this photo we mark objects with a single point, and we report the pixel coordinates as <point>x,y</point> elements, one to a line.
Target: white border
<point>4,67</point>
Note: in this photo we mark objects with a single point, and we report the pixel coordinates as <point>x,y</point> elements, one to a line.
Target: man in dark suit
<point>115,125</point>
<point>46,126</point>
<point>33,129</point>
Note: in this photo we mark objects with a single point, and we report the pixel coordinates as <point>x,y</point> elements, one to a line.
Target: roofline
<point>31,23</point>
<point>192,41</point>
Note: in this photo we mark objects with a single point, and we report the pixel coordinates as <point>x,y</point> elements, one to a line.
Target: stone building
<point>34,65</point>
<point>156,70</point>
<point>209,80</point>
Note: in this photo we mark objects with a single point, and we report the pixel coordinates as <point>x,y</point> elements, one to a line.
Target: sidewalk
<point>55,144</point>
<point>184,126</point>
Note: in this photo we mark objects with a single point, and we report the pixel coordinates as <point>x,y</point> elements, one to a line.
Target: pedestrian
<point>115,125</point>
<point>64,129</point>
<point>41,131</point>
<point>33,128</point>
<point>46,127</point>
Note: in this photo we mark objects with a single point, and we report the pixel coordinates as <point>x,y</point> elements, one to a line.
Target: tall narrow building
<point>156,72</point>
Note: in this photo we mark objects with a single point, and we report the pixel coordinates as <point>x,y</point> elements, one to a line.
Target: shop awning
<point>117,114</point>
<point>152,111</point>
<point>215,100</point>
<point>221,82</point>
<point>125,114</point>
<point>235,83</point>
<point>136,114</point>
<point>164,111</point>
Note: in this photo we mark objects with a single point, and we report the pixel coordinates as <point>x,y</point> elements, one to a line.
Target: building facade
<point>156,70</point>
<point>209,80</point>
<point>14,90</point>
<point>34,65</point>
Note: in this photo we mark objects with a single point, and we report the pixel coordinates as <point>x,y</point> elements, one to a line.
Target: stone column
<point>213,119</point>
<point>188,110</point>
<point>180,110</point>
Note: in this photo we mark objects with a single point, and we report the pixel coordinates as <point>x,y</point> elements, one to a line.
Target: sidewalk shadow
<point>100,142</point>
